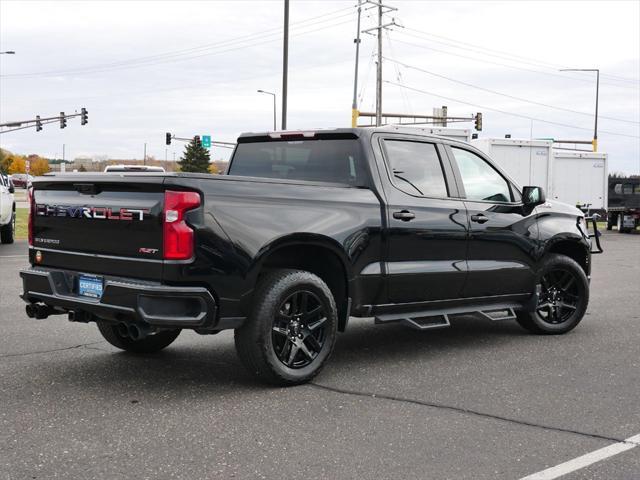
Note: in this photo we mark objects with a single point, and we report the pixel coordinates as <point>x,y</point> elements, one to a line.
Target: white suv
<point>7,210</point>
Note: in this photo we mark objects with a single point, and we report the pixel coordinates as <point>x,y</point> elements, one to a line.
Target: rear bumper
<point>124,300</point>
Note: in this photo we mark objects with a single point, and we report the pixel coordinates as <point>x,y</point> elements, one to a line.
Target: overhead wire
<point>403,93</point>
<point>507,55</point>
<point>193,52</point>
<point>533,102</point>
<point>484,107</point>
<point>515,67</point>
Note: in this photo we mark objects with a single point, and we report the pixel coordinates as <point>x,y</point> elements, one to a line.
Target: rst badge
<point>148,251</point>
<point>95,213</point>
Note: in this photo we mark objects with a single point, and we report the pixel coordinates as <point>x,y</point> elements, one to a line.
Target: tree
<point>5,161</point>
<point>39,166</point>
<point>18,165</point>
<point>82,168</point>
<point>195,158</point>
<point>213,168</point>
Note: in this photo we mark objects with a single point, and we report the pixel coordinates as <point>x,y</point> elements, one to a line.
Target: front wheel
<point>563,298</point>
<point>291,331</point>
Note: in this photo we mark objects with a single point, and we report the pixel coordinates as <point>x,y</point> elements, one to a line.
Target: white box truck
<point>580,178</point>
<point>461,134</point>
<point>528,162</point>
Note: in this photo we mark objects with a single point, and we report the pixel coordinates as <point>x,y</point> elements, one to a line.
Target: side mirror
<point>532,196</point>
<point>12,189</point>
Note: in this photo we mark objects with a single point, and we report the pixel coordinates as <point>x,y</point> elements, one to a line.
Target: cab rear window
<point>334,161</point>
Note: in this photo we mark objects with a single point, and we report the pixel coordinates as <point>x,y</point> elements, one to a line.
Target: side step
<point>425,320</point>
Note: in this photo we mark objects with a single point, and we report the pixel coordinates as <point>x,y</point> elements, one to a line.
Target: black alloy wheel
<point>559,296</point>
<point>299,329</point>
<point>292,328</point>
<point>563,297</point>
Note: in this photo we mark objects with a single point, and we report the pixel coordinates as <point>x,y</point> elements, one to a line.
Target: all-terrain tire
<point>274,321</point>
<point>571,305</point>
<point>151,344</point>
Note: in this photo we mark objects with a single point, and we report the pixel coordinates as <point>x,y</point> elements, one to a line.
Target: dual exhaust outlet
<point>134,331</point>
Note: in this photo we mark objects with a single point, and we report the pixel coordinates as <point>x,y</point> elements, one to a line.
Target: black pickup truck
<point>305,230</point>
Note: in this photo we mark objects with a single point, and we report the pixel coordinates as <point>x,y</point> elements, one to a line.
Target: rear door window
<point>416,168</point>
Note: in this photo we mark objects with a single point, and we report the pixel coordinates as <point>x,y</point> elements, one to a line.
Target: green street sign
<point>206,141</point>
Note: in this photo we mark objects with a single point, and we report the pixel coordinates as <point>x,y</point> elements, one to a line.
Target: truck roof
<point>356,132</point>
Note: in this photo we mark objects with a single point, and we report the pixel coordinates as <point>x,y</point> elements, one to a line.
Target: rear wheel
<point>8,231</point>
<point>291,331</point>
<point>563,298</point>
<point>150,344</point>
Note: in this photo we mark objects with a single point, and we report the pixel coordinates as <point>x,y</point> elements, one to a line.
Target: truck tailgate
<point>108,224</point>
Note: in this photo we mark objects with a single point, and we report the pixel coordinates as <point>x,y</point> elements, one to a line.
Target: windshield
<point>332,160</point>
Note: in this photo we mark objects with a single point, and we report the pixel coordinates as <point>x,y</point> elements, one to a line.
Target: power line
<point>505,55</point>
<point>504,94</point>
<point>539,72</point>
<point>188,54</point>
<point>508,113</point>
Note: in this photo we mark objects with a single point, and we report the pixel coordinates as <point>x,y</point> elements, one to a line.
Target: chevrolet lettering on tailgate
<point>97,213</point>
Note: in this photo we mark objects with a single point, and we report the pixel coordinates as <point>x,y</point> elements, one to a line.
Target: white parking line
<point>585,460</point>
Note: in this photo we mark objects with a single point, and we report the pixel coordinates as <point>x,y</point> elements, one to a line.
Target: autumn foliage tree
<point>39,166</point>
<point>17,165</point>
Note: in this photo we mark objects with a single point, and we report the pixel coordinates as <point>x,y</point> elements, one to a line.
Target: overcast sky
<point>147,67</point>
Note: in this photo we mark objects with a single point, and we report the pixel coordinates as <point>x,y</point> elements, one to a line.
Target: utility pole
<point>381,10</point>
<point>379,69</point>
<point>285,64</point>
<point>63,151</point>
<point>144,158</point>
<point>354,104</point>
<point>594,143</point>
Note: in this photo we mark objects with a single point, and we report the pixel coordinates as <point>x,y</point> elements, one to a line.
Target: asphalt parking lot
<point>481,400</point>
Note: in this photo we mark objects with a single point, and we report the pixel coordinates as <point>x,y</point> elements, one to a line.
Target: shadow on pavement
<point>188,369</point>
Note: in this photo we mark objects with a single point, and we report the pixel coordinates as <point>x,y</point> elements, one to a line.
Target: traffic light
<point>84,116</point>
<point>38,123</point>
<point>197,141</point>
<point>168,139</point>
<point>63,120</point>
<point>479,121</point>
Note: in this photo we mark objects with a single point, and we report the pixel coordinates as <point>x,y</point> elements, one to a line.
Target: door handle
<point>404,215</point>
<point>480,218</point>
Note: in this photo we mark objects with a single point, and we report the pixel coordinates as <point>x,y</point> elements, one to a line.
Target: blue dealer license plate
<point>89,286</point>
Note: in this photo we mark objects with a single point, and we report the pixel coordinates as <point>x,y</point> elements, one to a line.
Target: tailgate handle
<point>86,188</point>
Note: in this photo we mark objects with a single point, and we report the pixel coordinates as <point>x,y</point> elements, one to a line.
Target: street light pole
<point>274,107</point>
<point>285,64</point>
<point>595,128</point>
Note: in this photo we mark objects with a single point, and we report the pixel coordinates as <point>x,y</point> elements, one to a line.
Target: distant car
<point>133,168</point>
<point>21,180</point>
<point>7,210</point>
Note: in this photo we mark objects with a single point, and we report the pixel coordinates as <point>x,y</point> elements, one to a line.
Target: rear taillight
<point>31,214</point>
<point>178,236</point>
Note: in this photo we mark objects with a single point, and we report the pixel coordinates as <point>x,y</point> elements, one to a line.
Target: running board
<point>424,320</point>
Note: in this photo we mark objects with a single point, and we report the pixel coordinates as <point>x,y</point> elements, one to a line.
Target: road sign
<point>206,141</point>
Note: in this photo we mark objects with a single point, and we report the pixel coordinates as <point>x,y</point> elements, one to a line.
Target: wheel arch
<point>317,254</point>
<point>573,248</point>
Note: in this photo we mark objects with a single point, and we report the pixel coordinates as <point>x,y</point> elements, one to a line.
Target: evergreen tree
<point>195,158</point>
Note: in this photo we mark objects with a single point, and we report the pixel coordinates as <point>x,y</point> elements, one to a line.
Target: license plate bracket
<point>90,286</point>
